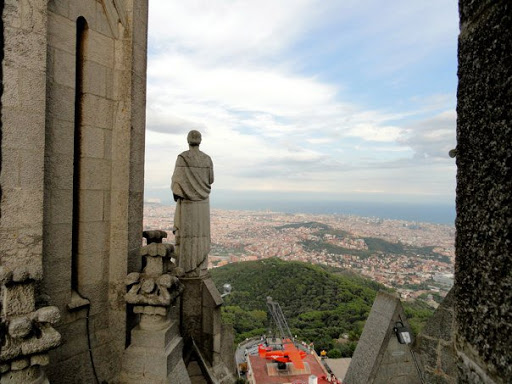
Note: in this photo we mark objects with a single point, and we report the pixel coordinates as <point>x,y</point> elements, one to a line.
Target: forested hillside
<point>322,305</point>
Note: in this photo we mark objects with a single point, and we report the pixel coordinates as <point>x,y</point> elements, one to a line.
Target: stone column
<point>156,352</point>
<point>26,334</point>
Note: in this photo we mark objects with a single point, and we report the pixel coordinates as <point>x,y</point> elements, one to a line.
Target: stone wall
<point>379,357</point>
<point>111,185</point>
<point>483,270</point>
<point>26,334</point>
<point>227,352</point>
<point>23,140</point>
<point>78,233</point>
<point>435,345</point>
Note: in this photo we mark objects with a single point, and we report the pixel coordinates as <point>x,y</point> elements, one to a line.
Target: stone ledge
<point>77,302</point>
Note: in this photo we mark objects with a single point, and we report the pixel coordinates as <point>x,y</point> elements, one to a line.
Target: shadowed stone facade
<point>379,358</point>
<point>483,267</point>
<point>73,121</point>
<point>435,345</point>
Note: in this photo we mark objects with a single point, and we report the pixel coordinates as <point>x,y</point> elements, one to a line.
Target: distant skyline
<point>348,100</point>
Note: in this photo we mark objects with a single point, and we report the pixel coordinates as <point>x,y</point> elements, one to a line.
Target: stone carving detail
<point>26,334</point>
<point>155,355</point>
<point>156,288</point>
<point>147,290</point>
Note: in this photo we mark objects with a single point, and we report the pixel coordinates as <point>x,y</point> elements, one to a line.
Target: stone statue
<point>191,185</point>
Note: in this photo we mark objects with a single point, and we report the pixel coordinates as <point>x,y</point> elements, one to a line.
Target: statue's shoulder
<point>195,158</point>
<point>207,160</point>
<point>206,157</point>
<point>182,158</point>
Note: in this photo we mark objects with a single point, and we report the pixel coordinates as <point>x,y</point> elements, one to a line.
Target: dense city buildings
<point>414,258</point>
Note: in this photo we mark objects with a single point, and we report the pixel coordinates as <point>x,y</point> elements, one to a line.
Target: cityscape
<point>416,259</point>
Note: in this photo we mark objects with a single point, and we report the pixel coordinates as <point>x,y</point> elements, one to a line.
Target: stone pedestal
<point>155,355</point>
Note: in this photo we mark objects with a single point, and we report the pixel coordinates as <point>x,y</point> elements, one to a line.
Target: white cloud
<point>433,137</point>
<point>226,29</point>
<point>372,132</point>
<point>225,68</point>
<point>237,88</point>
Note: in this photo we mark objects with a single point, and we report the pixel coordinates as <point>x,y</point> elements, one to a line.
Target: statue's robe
<point>191,186</point>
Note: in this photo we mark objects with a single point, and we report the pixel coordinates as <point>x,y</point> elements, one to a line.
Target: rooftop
<point>264,371</point>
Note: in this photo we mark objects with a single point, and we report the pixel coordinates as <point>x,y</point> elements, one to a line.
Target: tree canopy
<point>323,305</point>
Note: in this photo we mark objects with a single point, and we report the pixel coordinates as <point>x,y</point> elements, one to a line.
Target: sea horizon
<point>436,213</point>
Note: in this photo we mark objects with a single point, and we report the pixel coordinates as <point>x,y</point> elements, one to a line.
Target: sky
<point>342,99</point>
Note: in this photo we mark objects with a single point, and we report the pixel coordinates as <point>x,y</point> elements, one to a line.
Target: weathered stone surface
<point>435,345</point>
<point>38,130</point>
<point>40,360</point>
<point>49,315</point>
<point>483,277</point>
<point>19,299</point>
<point>191,185</point>
<point>32,375</point>
<point>379,357</point>
<point>432,378</point>
<point>448,361</point>
<point>154,339</point>
<point>5,275</point>
<point>156,347</point>
<point>441,324</point>
<point>20,327</point>
<point>227,350</point>
<point>427,348</point>
<point>154,236</point>
<point>153,356</point>
<point>179,374</point>
<point>19,364</point>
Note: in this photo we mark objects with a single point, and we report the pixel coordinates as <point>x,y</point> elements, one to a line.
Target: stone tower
<point>72,141</point>
<point>483,262</point>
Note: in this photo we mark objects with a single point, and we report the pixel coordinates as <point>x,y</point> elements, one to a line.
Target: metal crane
<point>279,320</point>
<point>289,352</point>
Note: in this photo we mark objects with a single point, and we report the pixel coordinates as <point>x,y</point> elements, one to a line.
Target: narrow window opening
<point>81,39</point>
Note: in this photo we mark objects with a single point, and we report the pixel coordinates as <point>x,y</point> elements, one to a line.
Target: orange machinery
<point>289,354</point>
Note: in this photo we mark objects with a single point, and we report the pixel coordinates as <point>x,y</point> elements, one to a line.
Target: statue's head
<point>194,138</point>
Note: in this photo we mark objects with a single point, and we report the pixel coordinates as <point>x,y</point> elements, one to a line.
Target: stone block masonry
<point>435,345</point>
<point>63,105</point>
<point>26,330</point>
<point>379,358</point>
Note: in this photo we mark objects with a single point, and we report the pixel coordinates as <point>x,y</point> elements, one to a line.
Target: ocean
<point>430,213</point>
<point>389,207</point>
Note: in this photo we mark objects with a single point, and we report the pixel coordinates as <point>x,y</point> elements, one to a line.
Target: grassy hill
<point>321,304</point>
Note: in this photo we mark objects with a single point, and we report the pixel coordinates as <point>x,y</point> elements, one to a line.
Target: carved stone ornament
<point>154,289</point>
<point>26,334</point>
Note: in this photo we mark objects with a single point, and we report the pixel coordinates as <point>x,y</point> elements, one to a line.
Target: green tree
<point>334,353</point>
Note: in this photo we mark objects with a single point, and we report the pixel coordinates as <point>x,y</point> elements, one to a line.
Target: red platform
<point>260,372</point>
